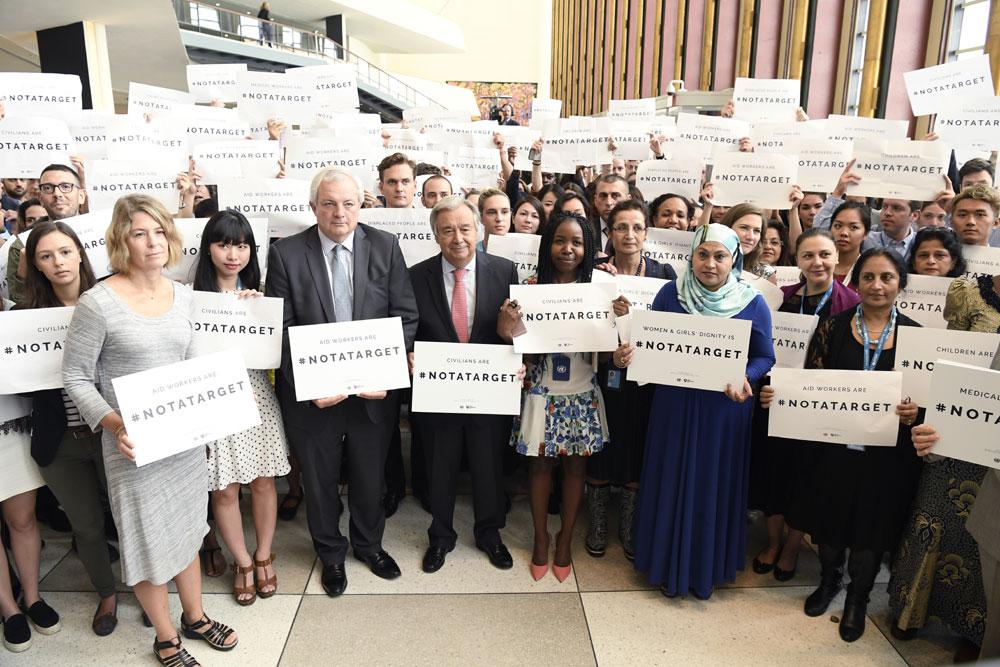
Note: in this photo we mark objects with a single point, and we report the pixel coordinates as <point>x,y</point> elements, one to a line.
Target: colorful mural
<point>491,95</point>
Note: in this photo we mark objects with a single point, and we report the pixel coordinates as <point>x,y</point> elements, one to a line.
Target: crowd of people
<point>687,464</point>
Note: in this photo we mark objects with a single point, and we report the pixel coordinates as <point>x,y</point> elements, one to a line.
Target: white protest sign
<point>543,109</point>
<point>566,318</point>
<point>839,407</point>
<point>190,230</point>
<point>643,108</point>
<point>283,201</point>
<point>521,138</point>
<point>31,143</point>
<point>710,134</point>
<point>852,128</point>
<point>918,349</point>
<point>938,88</point>
<point>966,413</point>
<point>639,290</point>
<point>821,162</point>
<point>40,94</point>
<point>477,167</point>
<point>775,99</point>
<point>669,246</point>
<point>154,100</point>
<point>350,123</point>
<point>109,180</point>
<point>690,351</point>
<point>772,294</point>
<point>215,82</point>
<point>764,179</point>
<point>522,249</point>
<point>130,137</point>
<point>923,300</point>
<point>251,326</point>
<point>335,86</point>
<point>899,169</point>
<point>981,260</point>
<point>174,408</point>
<point>32,350</point>
<point>464,378</point>
<point>411,226</point>
<point>790,335</point>
<point>90,228</point>
<point>788,275</point>
<point>432,118</point>
<point>776,137</point>
<point>971,124</point>
<point>631,140</point>
<point>89,130</point>
<point>680,176</point>
<point>472,134</point>
<point>206,124</point>
<point>218,161</point>
<point>348,358</point>
<point>264,95</point>
<point>305,156</point>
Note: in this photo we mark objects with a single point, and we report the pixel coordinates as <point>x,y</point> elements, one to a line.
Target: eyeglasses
<point>65,188</point>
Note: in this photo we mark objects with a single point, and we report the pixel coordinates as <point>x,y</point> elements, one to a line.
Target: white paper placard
<point>639,290</point>
<point>32,350</point>
<point>305,156</point>
<point>917,350</point>
<point>264,95</point>
<point>40,94</point>
<point>690,351</point>
<point>131,138</point>
<point>90,228</point>
<point>411,226</point>
<point>768,136</point>
<point>966,413</point>
<point>154,100</point>
<point>679,176</point>
<point>839,407</point>
<point>938,88</point>
<point>522,139</point>
<point>190,230</point>
<point>522,249</point>
<point>350,123</point>
<point>335,86</point>
<point>631,139</point>
<point>774,99</point>
<point>543,109</point>
<point>788,275</point>
<point>206,124</point>
<point>29,144</point>
<point>709,135</point>
<point>900,169</point>
<point>174,408</point>
<point>215,82</point>
<point>464,378</point>
<point>764,179</point>
<point>566,318</point>
<point>972,124</point>
<point>218,161</point>
<point>981,260</point>
<point>852,128</point>
<point>109,180</point>
<point>772,294</point>
<point>669,246</point>
<point>563,152</point>
<point>89,130</point>
<point>348,358</point>
<point>923,300</point>
<point>283,201</point>
<point>642,108</point>
<point>252,326</point>
<point>790,335</point>
<point>821,162</point>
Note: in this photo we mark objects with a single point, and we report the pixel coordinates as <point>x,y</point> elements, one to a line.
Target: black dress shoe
<point>334,579</point>
<point>785,575</point>
<point>390,502</point>
<point>760,567</point>
<point>852,623</point>
<point>498,555</point>
<point>381,564</point>
<point>434,559</point>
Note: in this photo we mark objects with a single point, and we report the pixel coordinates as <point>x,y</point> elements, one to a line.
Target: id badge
<point>614,379</point>
<point>856,448</point>
<point>560,368</point>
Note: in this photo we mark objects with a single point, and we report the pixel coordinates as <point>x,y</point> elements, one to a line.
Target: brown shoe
<point>240,591</point>
<point>271,582</point>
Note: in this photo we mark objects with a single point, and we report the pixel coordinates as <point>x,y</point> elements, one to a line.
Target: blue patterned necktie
<point>342,307</point>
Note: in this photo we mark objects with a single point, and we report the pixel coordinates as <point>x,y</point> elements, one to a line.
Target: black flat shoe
<point>785,575</point>
<point>289,506</point>
<point>334,579</point>
<point>16,633</point>
<point>381,564</point>
<point>760,567</point>
<point>499,556</point>
<point>434,559</point>
<point>105,624</point>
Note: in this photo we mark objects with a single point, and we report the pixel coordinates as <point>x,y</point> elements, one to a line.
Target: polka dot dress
<point>260,451</point>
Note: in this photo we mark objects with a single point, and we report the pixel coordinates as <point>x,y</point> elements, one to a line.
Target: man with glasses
<point>61,191</point>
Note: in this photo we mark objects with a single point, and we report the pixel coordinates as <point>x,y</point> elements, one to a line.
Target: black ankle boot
<point>831,578</point>
<point>852,623</point>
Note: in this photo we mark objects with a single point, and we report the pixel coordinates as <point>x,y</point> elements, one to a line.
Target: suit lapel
<point>318,270</point>
<point>362,250</point>
<point>435,283</point>
<point>484,285</point>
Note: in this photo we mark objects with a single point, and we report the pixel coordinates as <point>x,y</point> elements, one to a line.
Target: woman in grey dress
<point>135,320</point>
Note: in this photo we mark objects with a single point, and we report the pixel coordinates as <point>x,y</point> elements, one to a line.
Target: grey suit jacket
<point>297,273</point>
<point>983,521</point>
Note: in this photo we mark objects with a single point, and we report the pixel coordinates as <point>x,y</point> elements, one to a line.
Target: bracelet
<point>537,163</point>
<point>119,431</point>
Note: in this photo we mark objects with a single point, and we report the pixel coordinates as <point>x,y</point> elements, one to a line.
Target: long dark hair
<point>528,200</point>
<point>38,291</point>
<point>546,270</point>
<point>950,242</point>
<point>785,256</point>
<point>226,227</point>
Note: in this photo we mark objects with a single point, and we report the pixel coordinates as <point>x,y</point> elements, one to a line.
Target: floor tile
<point>440,630</point>
<point>736,627</point>
<point>935,644</point>
<point>57,546</point>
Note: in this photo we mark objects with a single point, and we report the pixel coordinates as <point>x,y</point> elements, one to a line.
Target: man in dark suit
<point>336,271</point>
<point>609,189</point>
<point>459,295</point>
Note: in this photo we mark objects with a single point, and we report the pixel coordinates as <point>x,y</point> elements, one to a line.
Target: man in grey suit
<point>335,271</point>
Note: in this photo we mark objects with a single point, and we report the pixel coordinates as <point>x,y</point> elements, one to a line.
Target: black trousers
<point>320,452</point>
<point>395,475</point>
<point>482,439</point>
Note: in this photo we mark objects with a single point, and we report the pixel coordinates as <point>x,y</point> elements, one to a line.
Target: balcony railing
<point>246,28</point>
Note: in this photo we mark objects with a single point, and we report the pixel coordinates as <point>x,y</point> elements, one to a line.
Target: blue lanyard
<point>819,306</point>
<point>862,328</point>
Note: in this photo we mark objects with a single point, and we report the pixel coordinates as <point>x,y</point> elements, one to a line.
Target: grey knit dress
<point>161,508</point>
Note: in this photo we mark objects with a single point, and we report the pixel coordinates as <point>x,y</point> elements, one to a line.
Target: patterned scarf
<point>731,297</point>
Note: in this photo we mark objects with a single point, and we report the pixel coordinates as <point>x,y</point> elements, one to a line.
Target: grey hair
<point>334,175</point>
<point>453,203</point>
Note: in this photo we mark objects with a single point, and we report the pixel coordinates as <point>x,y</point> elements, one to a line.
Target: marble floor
<point>470,613</point>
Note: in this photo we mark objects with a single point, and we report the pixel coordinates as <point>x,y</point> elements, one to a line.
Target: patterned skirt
<point>560,425</point>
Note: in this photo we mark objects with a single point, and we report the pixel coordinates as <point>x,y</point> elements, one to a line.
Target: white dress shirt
<point>327,244</point>
<point>469,281</point>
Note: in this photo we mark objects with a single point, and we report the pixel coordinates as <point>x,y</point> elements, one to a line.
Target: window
<point>969,23</point>
<point>204,17</point>
<point>853,100</point>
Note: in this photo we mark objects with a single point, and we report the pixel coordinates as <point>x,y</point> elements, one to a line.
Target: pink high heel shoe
<point>539,571</point>
<point>561,572</point>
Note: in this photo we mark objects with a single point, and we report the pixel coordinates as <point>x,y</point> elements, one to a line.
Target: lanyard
<point>870,359</point>
<point>819,306</point>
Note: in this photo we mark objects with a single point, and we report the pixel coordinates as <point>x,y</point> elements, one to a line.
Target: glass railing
<point>246,28</point>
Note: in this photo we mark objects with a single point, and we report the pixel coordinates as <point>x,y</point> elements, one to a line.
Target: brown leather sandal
<point>251,590</point>
<point>272,581</point>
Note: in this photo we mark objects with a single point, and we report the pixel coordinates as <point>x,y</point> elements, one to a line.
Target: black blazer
<point>296,272</point>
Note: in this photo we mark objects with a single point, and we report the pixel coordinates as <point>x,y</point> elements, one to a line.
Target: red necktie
<point>459,307</point>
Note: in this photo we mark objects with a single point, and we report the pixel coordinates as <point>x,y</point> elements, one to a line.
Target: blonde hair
<point>490,192</point>
<point>121,223</point>
<point>983,193</point>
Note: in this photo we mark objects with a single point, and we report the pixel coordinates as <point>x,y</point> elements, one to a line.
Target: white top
<point>469,281</point>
